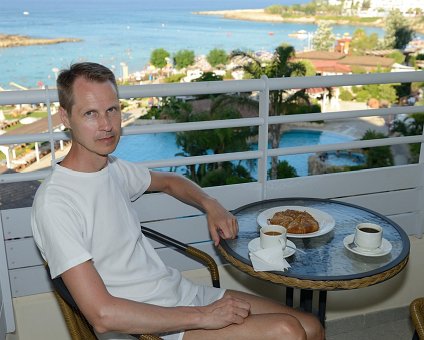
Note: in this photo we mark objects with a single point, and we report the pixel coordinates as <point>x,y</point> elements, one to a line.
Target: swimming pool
<point>156,146</point>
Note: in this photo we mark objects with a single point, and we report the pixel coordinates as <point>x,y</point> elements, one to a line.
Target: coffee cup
<point>368,236</point>
<point>273,236</point>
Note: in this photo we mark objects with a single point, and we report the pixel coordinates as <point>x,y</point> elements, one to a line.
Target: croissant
<point>296,222</point>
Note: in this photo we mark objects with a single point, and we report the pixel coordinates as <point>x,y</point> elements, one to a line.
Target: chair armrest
<point>416,308</point>
<point>188,250</point>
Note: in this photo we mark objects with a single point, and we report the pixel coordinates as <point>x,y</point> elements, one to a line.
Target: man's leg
<point>268,320</point>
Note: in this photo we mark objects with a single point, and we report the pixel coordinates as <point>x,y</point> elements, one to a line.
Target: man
<point>88,232</point>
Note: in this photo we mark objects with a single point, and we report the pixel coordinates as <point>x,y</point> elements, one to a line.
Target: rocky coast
<point>10,40</point>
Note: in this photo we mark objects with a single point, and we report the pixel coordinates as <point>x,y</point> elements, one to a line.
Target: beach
<point>255,15</point>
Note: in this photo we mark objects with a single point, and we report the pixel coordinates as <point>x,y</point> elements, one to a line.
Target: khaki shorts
<point>205,296</point>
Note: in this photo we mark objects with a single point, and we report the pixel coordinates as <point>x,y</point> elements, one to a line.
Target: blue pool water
<point>162,146</point>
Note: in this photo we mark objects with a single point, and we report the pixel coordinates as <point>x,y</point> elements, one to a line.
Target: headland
<point>260,15</point>
<point>11,40</point>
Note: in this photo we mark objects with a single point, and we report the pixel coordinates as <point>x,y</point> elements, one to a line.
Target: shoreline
<point>15,40</point>
<point>259,15</point>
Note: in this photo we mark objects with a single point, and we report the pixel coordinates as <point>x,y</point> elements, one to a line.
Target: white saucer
<point>255,245</point>
<point>384,249</point>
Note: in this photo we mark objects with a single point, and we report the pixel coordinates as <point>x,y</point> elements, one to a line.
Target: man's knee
<point>286,328</point>
<point>313,327</point>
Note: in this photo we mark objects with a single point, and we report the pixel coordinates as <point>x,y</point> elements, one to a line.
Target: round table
<point>326,263</point>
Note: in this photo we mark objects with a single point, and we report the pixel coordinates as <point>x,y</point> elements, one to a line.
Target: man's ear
<point>64,117</point>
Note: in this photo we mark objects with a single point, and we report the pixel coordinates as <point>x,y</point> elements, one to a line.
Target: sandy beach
<point>254,15</point>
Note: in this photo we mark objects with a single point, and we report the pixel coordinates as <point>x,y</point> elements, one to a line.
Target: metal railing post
<point>263,135</point>
<point>50,126</point>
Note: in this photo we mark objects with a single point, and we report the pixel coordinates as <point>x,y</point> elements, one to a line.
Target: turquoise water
<point>139,147</point>
<point>116,31</point>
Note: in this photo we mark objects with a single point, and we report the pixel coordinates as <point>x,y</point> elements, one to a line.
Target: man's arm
<point>107,313</point>
<point>221,223</point>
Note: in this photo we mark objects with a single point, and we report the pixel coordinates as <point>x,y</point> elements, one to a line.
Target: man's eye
<point>112,110</point>
<point>89,114</point>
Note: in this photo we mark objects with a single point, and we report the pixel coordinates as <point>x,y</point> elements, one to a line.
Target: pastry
<point>296,222</point>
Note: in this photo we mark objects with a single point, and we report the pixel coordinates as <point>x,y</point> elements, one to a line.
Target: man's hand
<point>221,223</point>
<point>225,312</point>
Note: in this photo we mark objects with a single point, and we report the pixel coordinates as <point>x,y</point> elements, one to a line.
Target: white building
<point>368,8</point>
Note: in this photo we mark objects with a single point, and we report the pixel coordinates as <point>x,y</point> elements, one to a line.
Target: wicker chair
<point>416,308</point>
<point>78,326</point>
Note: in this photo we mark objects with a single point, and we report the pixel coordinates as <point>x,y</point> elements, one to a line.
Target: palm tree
<point>282,102</point>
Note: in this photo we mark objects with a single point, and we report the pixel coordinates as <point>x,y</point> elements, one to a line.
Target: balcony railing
<point>263,86</point>
<point>396,192</point>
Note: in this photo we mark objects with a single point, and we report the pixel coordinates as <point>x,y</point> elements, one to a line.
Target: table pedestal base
<point>306,302</point>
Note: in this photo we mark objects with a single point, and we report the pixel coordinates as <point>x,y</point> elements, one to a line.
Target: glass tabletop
<point>326,257</point>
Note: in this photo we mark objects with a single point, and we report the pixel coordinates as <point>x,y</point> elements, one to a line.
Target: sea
<point>117,32</point>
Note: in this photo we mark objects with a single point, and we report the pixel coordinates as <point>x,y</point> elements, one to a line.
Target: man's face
<point>95,119</point>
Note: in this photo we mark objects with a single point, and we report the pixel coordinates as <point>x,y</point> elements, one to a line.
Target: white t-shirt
<point>81,216</point>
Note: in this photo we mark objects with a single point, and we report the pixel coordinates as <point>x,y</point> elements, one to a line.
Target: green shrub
<point>345,95</point>
<point>175,78</point>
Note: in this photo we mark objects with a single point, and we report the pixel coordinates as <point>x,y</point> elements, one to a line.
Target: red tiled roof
<point>36,127</point>
<point>323,55</point>
<point>367,61</point>
<point>330,66</point>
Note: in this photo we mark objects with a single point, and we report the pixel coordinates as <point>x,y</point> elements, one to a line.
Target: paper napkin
<point>268,259</point>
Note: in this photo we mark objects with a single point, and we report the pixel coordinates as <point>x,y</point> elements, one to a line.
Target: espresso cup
<point>273,236</point>
<point>368,236</point>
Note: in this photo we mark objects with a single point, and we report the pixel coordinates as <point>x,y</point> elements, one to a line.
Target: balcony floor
<point>392,324</point>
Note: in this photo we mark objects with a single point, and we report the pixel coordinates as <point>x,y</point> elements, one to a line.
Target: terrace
<point>28,308</point>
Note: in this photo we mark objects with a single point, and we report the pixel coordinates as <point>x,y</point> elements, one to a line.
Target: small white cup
<point>368,236</point>
<point>273,236</point>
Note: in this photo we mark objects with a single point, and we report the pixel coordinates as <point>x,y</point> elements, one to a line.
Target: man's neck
<point>93,164</point>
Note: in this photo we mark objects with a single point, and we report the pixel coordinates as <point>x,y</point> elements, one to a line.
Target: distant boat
<point>301,34</point>
<point>25,13</point>
<point>270,33</point>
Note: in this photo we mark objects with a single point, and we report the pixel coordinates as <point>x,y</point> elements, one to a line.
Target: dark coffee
<point>369,230</point>
<point>272,233</point>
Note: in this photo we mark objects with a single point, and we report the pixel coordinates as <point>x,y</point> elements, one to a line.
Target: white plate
<point>325,221</point>
<point>255,245</point>
<point>384,249</point>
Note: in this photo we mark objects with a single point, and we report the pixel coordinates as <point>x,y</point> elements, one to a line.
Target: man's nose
<point>105,122</point>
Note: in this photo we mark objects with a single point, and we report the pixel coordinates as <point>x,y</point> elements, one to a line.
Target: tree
<point>398,33</point>
<point>309,67</point>
<point>398,56</point>
<point>198,143</point>
<point>284,170</point>
<point>158,57</point>
<point>324,38</point>
<point>208,76</point>
<point>379,156</point>
<point>202,142</point>
<point>217,57</point>
<point>385,92</point>
<point>183,58</point>
<point>362,42</point>
<point>281,101</point>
